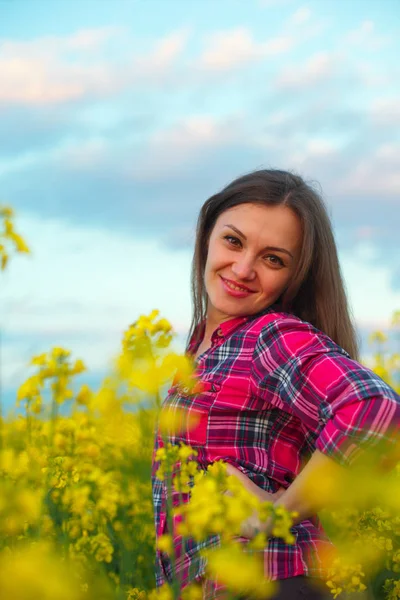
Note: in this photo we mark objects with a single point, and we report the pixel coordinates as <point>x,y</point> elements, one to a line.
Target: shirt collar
<point>227,327</point>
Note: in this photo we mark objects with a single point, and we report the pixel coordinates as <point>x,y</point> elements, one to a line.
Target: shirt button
<point>220,332</point>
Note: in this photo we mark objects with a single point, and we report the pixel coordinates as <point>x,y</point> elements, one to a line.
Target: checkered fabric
<point>274,389</point>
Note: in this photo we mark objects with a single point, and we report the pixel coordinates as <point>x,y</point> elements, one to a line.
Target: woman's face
<point>253,252</point>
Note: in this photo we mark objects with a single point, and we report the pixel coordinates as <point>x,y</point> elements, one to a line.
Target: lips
<point>238,285</point>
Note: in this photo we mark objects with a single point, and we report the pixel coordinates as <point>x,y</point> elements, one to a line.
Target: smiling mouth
<point>234,286</point>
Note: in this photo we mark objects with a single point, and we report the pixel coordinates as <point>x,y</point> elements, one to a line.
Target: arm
<point>343,406</point>
<point>312,490</point>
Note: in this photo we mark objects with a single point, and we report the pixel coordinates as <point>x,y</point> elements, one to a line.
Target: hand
<point>250,486</point>
<point>251,526</point>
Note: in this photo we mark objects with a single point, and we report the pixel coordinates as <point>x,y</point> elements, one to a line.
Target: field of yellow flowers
<point>76,519</point>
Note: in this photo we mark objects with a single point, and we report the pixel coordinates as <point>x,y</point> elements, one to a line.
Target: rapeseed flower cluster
<point>76,516</point>
<point>144,363</point>
<point>81,482</point>
<point>219,504</point>
<point>365,526</point>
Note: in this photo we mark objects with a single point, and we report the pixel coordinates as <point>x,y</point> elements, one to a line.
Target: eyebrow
<point>275,248</point>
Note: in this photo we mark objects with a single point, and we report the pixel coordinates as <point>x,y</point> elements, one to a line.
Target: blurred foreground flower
<point>173,420</point>
<point>240,572</point>
<point>9,237</point>
<point>33,571</point>
<point>55,367</point>
<point>82,481</point>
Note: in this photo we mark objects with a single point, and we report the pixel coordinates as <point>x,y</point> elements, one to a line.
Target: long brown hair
<point>316,292</point>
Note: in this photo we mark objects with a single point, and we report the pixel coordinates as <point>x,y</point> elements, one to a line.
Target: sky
<point>118,119</point>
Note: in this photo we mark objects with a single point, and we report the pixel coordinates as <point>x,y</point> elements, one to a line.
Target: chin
<point>233,309</point>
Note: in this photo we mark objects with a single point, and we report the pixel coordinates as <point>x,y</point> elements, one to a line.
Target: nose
<point>243,267</point>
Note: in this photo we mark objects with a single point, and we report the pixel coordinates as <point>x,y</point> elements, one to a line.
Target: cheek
<point>275,282</point>
<point>208,271</point>
<point>215,259</point>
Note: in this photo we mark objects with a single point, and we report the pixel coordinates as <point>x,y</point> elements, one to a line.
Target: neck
<point>213,321</point>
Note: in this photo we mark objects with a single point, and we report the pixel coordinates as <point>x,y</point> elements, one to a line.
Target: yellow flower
<point>150,375</point>
<point>58,352</point>
<point>164,544</point>
<point>20,243</point>
<point>194,591</point>
<point>21,575</point>
<point>335,589</point>
<point>29,389</point>
<point>78,368</point>
<point>396,318</point>
<point>39,360</point>
<point>4,259</point>
<point>136,594</point>
<point>240,572</point>
<point>183,369</point>
<point>84,395</point>
<point>377,337</point>
<point>8,227</point>
<point>35,570</point>
<point>6,212</point>
<point>162,593</point>
<point>174,420</point>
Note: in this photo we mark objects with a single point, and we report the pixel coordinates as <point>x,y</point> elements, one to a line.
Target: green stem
<point>54,415</point>
<point>175,584</point>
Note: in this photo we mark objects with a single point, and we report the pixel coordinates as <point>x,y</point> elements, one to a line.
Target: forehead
<point>267,224</point>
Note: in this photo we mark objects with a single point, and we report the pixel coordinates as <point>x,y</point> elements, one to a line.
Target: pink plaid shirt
<point>274,390</point>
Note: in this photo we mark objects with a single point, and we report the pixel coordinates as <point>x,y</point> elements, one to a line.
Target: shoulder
<point>289,336</point>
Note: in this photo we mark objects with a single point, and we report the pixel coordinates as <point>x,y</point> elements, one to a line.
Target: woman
<point>276,353</point>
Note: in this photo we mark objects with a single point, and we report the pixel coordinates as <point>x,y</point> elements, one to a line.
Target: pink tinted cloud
<point>162,58</point>
<point>229,49</point>
<point>41,71</point>
<point>377,174</point>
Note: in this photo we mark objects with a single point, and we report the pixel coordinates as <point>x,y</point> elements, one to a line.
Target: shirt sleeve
<point>298,369</point>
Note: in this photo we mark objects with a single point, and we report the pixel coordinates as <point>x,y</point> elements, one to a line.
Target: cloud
<point>156,184</point>
<point>230,49</point>
<point>42,72</point>
<point>25,129</point>
<point>81,40</point>
<point>375,174</point>
<point>83,286</point>
<point>80,178</point>
<point>235,48</point>
<point>385,111</point>
<point>40,131</point>
<point>168,151</point>
<point>319,68</point>
<point>300,16</point>
<point>370,285</point>
<point>364,36</point>
<point>145,151</point>
<point>149,67</point>
<point>54,70</point>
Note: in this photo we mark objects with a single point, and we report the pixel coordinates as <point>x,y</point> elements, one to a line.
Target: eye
<point>275,260</point>
<point>232,240</point>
